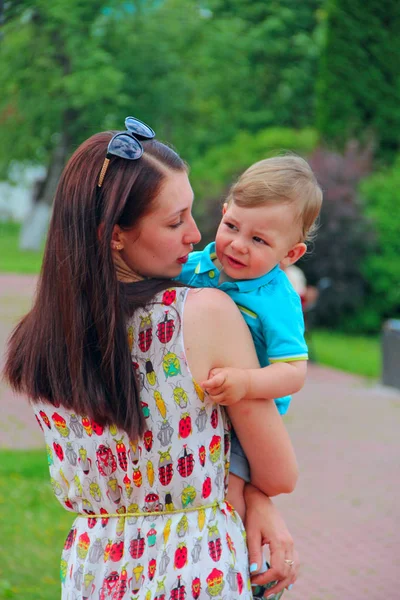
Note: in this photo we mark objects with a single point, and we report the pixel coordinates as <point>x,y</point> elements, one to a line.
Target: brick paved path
<point>345,512</point>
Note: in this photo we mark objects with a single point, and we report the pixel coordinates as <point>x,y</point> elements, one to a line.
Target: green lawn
<point>33,528</point>
<point>360,355</point>
<point>12,259</point>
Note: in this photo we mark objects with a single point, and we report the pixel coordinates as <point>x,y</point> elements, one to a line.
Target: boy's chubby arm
<point>228,385</point>
<point>283,331</point>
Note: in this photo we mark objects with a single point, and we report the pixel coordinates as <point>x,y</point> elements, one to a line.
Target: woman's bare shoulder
<point>211,302</point>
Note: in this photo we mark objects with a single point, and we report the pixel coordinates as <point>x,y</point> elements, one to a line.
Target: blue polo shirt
<point>269,305</point>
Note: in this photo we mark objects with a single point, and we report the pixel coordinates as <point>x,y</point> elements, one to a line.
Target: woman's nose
<point>193,236</point>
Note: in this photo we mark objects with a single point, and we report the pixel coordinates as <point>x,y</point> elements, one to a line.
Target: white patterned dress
<point>178,539</point>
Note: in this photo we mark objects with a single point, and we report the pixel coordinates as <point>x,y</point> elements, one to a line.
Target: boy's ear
<point>293,255</point>
<point>224,208</point>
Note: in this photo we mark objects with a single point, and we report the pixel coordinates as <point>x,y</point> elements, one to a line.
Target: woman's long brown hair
<point>71,348</point>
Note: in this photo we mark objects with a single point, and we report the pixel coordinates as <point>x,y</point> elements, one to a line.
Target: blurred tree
<point>58,82</point>
<point>358,87</point>
<point>283,41</point>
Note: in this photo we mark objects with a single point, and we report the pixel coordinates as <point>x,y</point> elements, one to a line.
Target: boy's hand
<point>227,386</point>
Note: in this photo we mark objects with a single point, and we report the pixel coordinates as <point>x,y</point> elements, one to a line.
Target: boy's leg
<point>235,495</point>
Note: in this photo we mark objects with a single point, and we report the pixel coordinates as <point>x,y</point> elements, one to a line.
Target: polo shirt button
<point>211,274</point>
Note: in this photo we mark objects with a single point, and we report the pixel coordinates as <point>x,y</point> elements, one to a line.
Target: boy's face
<point>252,241</point>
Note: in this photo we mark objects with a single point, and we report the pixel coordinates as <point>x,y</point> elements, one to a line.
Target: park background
<point>227,82</point>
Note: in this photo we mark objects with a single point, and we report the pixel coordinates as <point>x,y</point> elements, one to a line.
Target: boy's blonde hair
<point>287,179</point>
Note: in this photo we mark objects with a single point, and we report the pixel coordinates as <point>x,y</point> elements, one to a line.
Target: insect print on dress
<point>185,462</point>
<point>165,467</point>
<point>60,424</point>
<point>165,329</point>
<point>185,425</point>
<point>45,419</point>
<point>201,419</point>
<point>169,297</point>
<point>109,584</point>
<point>88,585</point>
<point>121,454</point>
<point>180,556</point>
<point>150,372</point>
<point>151,568</point>
<point>137,580</point>
<point>214,543</point>
<point>94,490</point>
<point>180,397</point>
<point>165,434</point>
<point>188,496</point>
<point>160,591</point>
<point>105,460</point>
<point>114,491</point>
<point>152,503</point>
<point>87,426</point>
<point>136,547</point>
<point>145,333</point>
<point>178,592</point>
<point>171,365</point>
<point>196,587</point>
<point>84,462</point>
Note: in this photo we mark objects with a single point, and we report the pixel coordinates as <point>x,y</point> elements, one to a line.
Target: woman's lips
<point>183,259</point>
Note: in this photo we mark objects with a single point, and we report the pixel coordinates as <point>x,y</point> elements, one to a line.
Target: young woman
<point>110,356</point>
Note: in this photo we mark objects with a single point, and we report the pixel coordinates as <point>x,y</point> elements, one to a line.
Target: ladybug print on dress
<point>186,462</point>
<point>165,467</point>
<point>165,329</point>
<point>169,297</point>
<point>145,333</point>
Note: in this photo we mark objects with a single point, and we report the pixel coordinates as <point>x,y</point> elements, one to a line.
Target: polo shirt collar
<point>246,285</point>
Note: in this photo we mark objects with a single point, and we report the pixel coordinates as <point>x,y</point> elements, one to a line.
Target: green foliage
<point>282,44</point>
<point>12,259</point>
<point>197,76</point>
<point>222,164</point>
<point>359,82</point>
<point>381,268</point>
<point>33,529</point>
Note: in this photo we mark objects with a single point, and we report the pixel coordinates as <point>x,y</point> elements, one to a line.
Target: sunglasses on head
<point>126,144</point>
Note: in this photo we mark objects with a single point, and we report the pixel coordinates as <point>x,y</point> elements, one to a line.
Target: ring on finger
<point>289,562</point>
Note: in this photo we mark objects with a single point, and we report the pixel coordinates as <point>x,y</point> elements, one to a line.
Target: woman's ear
<point>293,255</point>
<point>116,238</point>
<point>224,208</point>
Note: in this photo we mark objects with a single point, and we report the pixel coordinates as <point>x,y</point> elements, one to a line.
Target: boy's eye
<point>230,225</point>
<point>175,225</point>
<point>259,240</point>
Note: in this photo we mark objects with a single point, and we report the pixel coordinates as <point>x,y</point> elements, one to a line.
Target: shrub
<point>344,235</point>
<point>381,267</point>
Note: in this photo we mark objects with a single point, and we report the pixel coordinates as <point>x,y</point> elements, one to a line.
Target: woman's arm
<point>217,336</point>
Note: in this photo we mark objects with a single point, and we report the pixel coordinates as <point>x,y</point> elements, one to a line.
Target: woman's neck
<point>123,271</point>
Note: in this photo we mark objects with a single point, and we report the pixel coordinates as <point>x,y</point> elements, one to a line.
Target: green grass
<point>12,259</point>
<point>33,528</point>
<point>360,355</point>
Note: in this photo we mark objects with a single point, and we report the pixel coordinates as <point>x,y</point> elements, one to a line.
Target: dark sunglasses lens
<point>125,146</point>
<point>139,128</point>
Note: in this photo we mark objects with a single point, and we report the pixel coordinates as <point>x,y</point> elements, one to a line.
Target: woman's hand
<point>264,525</point>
